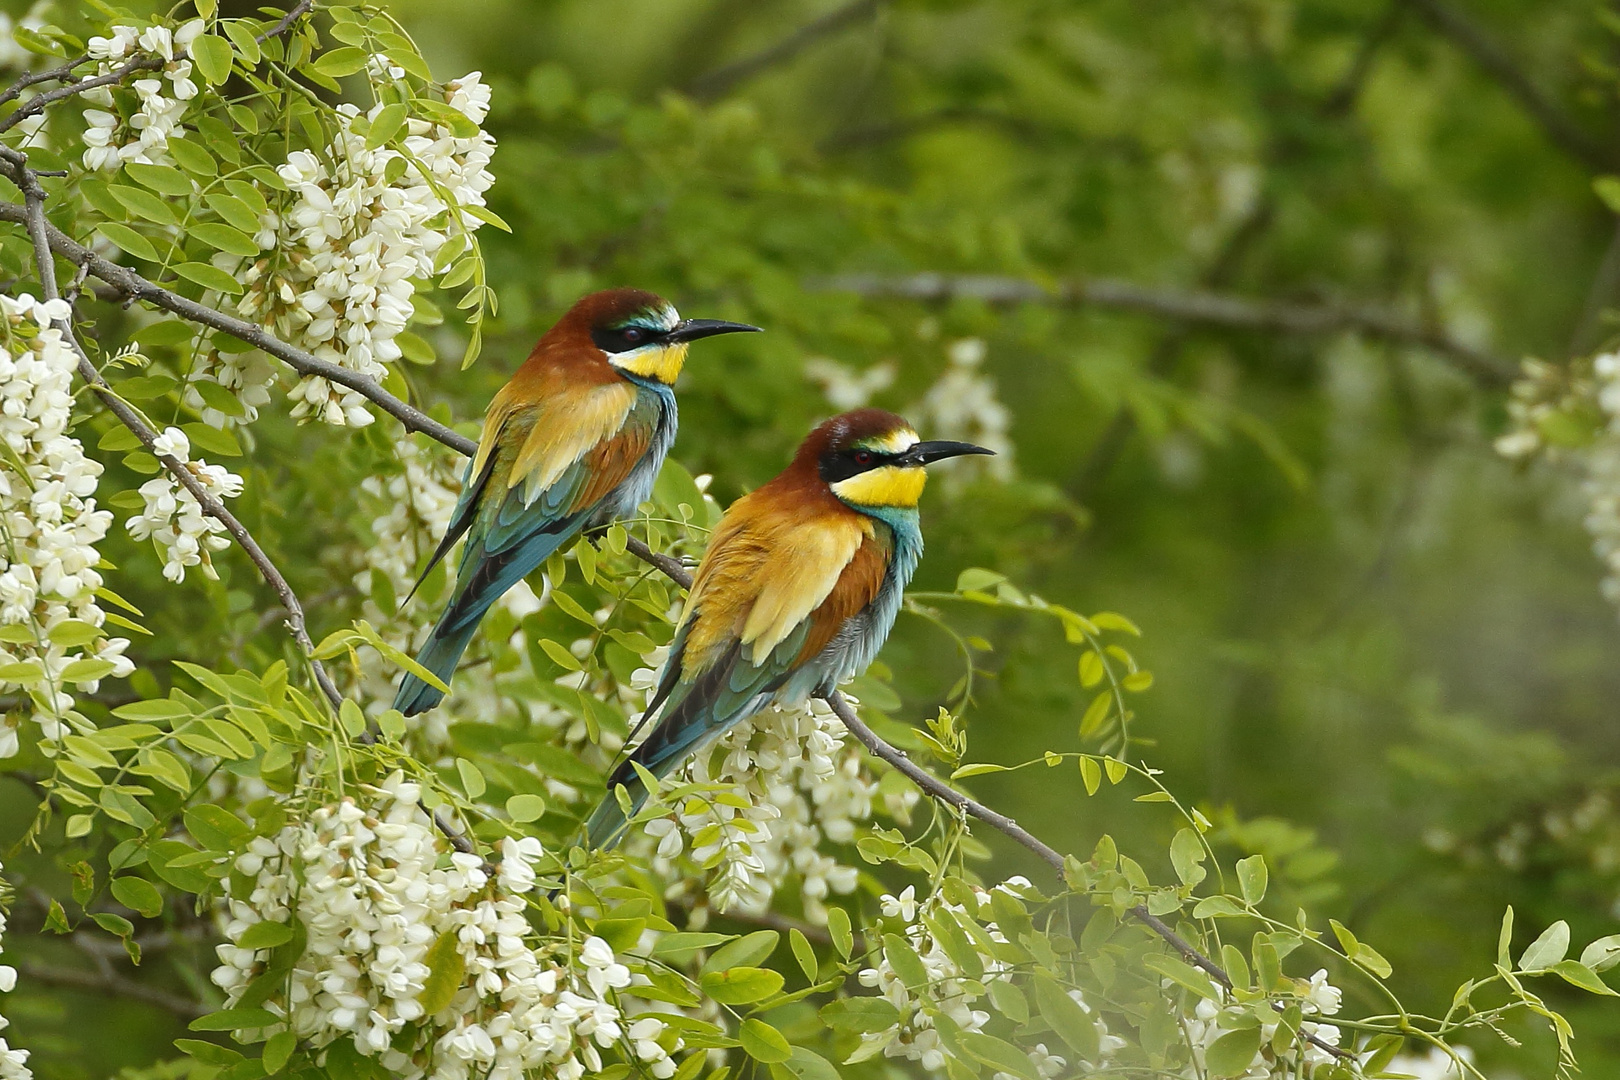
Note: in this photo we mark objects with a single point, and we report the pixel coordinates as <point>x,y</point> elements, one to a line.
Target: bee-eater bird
<point>574,440</point>
<point>797,591</point>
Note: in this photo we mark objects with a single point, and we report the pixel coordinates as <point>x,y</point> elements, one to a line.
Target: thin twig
<point>131,284</point>
<point>142,62</point>
<point>114,984</point>
<point>715,83</point>
<point>1499,65</point>
<point>1190,306</point>
<point>34,78</point>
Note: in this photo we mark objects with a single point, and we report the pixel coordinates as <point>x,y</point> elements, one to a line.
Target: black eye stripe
<point>838,465</point>
<point>618,339</point>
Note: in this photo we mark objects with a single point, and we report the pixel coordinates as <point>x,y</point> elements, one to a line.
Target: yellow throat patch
<point>661,362</point>
<point>886,485</point>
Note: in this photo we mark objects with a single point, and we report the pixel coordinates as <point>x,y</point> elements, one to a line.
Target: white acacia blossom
<point>778,784</point>
<point>950,991</point>
<point>381,909</point>
<point>174,520</point>
<point>49,524</point>
<point>962,404</point>
<point>1574,412</point>
<point>13,1062</point>
<point>362,228</point>
<point>111,138</point>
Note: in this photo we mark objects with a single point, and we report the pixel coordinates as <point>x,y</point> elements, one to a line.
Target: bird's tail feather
<point>440,656</point>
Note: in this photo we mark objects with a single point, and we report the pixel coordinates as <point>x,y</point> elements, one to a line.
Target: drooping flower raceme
<point>174,520</point>
<point>963,404</point>
<point>13,1062</point>
<point>383,911</point>
<point>363,226</point>
<point>49,526</point>
<point>113,138</point>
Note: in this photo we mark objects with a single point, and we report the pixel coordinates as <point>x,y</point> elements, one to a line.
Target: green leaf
<point>389,120</point>
<point>809,1065</point>
<point>679,948</point>
<point>803,953</point>
<point>747,951</point>
<point>447,969</point>
<point>138,894</point>
<point>224,238</point>
<point>128,240</point>
<point>905,962</point>
<point>212,440</point>
<point>977,579</point>
<point>525,808</point>
<point>143,204</point>
<point>215,827</point>
<point>163,179</point>
<point>242,37</point>
<point>1577,974</point>
<point>235,1020</point>
<point>1252,878</point>
<point>278,1050</point>
<point>341,63</point>
<point>763,1042</point>
<point>265,935</point>
<point>1067,1018</point>
<point>998,1055</point>
<point>235,211</point>
<point>742,985</point>
<point>1090,774</point>
<point>1548,949</point>
<point>1504,940</point>
<point>859,1015</point>
<point>209,277</point>
<point>212,55</point>
<point>472,781</point>
<point>1608,189</point>
<point>1095,714</point>
<point>1602,954</point>
<point>1187,856</point>
<point>842,935</point>
<point>72,633</point>
<point>979,769</point>
<point>621,935</point>
<point>1181,973</point>
<point>1232,1053</point>
<point>1111,620</point>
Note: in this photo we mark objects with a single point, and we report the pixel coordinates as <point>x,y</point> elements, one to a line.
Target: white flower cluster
<point>1574,410</point>
<point>1211,1020</point>
<point>950,991</point>
<point>111,140</point>
<point>381,907</point>
<point>174,520</point>
<point>845,388</point>
<point>363,226</point>
<point>13,1062</point>
<point>49,524</point>
<point>786,780</point>
<point>247,375</point>
<point>416,503</point>
<point>963,404</point>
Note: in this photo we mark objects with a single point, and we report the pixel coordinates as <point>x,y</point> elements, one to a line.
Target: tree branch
<point>1190,306</point>
<point>113,984</point>
<point>131,284</point>
<point>715,83</point>
<point>1496,62</point>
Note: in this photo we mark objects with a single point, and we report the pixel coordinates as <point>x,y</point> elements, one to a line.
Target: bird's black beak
<point>925,452</point>
<point>692,329</point>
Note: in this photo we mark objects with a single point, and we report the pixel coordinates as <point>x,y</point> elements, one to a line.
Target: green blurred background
<point>1381,652</point>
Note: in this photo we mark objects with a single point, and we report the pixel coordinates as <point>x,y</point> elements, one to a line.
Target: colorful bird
<point>797,591</point>
<point>573,441</point>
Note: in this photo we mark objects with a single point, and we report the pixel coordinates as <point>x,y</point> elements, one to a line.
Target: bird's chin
<point>886,487</point>
<point>662,363</point>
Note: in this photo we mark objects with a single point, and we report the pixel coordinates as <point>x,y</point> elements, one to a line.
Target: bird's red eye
<point>863,457</point>
<point>632,335</point>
